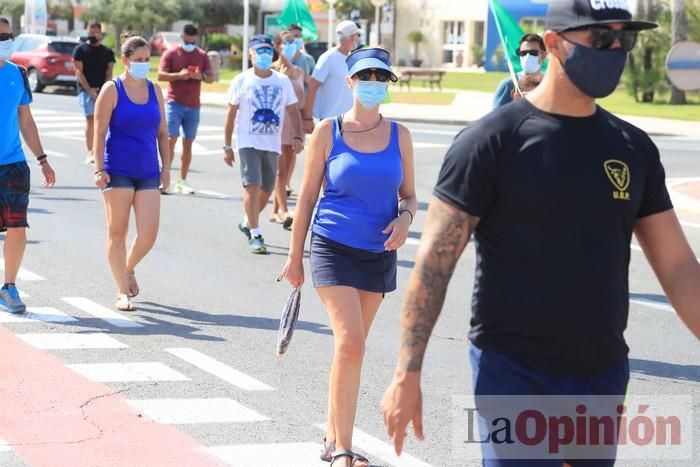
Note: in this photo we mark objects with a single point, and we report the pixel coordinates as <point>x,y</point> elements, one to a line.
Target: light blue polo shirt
<point>14,94</point>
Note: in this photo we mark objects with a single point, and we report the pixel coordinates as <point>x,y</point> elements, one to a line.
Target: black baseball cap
<point>563,15</point>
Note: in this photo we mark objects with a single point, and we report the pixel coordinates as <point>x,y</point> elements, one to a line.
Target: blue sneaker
<point>256,245</point>
<point>9,298</point>
<point>243,227</point>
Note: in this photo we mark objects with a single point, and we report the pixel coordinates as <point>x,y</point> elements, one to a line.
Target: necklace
<point>368,129</point>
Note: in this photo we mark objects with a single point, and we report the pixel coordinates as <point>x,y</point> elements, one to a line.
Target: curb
<point>680,200</point>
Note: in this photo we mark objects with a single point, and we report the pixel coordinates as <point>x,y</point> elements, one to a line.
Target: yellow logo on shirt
<point>619,175</point>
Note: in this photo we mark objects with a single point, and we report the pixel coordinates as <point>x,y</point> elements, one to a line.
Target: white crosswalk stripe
<point>23,274</point>
<point>101,312</point>
<point>189,411</point>
<point>220,370</point>
<point>128,372</point>
<point>269,455</point>
<point>36,314</point>
<point>4,446</point>
<point>64,341</point>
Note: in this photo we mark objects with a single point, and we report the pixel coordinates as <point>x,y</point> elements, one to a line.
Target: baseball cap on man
<point>260,40</point>
<point>347,28</point>
<point>563,15</point>
<point>369,58</point>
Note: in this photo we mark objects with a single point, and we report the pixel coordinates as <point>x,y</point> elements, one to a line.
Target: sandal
<point>358,460</point>
<point>133,285</point>
<point>287,223</point>
<point>124,303</point>
<point>327,451</point>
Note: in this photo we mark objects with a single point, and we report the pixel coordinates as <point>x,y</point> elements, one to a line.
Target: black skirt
<point>333,263</point>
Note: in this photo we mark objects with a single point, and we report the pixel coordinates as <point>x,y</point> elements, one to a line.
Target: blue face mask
<point>189,46</point>
<point>370,93</point>
<point>289,50</point>
<point>139,70</point>
<point>299,42</point>
<point>595,72</point>
<point>6,49</point>
<point>263,61</point>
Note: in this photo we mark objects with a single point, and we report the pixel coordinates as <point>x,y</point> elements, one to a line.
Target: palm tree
<point>415,37</point>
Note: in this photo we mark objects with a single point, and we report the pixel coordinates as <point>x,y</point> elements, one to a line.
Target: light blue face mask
<point>189,46</point>
<point>139,70</point>
<point>289,50</point>
<point>370,93</point>
<point>6,49</point>
<point>299,42</point>
<point>263,61</point>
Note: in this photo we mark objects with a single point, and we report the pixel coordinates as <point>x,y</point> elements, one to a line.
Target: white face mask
<point>530,64</point>
<point>6,49</point>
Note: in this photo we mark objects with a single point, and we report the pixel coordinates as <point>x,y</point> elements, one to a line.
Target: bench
<point>430,76</point>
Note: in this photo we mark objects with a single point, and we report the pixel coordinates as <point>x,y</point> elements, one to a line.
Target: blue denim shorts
<point>178,115</point>
<point>137,184</point>
<point>87,103</point>
<point>495,374</point>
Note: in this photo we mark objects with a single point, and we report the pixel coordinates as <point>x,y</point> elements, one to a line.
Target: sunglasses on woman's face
<point>603,38</point>
<point>366,75</point>
<point>6,36</point>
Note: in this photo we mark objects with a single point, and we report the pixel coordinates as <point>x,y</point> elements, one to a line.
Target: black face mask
<point>92,40</point>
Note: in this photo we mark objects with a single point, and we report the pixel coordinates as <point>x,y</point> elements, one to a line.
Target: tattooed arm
<point>446,233</point>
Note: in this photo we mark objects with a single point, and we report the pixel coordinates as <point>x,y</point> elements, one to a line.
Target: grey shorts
<point>258,168</point>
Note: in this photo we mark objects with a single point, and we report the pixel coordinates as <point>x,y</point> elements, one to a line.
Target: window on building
<point>453,38</point>
<point>532,25</point>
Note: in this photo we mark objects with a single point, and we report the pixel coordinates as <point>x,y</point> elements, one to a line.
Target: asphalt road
<point>201,289</point>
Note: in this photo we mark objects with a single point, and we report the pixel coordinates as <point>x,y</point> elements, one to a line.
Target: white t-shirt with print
<point>334,96</point>
<point>261,108</point>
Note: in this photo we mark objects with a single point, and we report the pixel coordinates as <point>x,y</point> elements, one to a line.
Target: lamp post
<point>331,21</point>
<point>246,20</point>
<point>377,19</point>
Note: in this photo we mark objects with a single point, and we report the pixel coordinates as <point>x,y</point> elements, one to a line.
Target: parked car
<point>164,40</point>
<point>316,48</point>
<point>48,60</point>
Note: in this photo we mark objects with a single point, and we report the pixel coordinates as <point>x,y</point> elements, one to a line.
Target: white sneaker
<point>89,158</point>
<point>182,187</point>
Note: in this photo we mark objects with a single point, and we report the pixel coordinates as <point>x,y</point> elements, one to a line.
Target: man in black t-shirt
<point>552,187</point>
<point>93,64</point>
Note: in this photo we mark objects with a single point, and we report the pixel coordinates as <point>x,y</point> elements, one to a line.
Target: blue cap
<point>260,40</point>
<point>368,58</point>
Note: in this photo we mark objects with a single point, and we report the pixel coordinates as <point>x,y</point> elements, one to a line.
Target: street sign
<point>683,66</point>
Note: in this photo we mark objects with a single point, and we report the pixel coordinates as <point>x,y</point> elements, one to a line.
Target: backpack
<point>25,79</point>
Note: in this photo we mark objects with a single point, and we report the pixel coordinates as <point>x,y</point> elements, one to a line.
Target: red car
<point>48,59</point>
<point>164,40</point>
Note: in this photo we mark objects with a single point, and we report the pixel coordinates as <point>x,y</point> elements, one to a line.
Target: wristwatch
<point>226,147</point>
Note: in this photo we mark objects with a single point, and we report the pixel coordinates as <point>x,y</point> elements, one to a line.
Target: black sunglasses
<point>6,36</point>
<point>381,75</point>
<point>522,53</point>
<point>603,38</point>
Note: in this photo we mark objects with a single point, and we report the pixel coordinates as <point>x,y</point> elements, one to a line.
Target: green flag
<point>297,12</point>
<point>510,33</point>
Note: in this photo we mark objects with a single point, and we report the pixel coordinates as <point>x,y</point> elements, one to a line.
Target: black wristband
<point>41,158</point>
<point>409,213</point>
<point>299,138</point>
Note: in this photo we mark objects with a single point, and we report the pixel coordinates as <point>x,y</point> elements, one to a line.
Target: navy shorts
<point>494,374</point>
<point>333,263</point>
<point>137,184</point>
<point>178,115</point>
<point>14,195</point>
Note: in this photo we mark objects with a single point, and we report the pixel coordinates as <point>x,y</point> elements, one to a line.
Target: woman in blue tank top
<point>367,207</point>
<point>129,114</point>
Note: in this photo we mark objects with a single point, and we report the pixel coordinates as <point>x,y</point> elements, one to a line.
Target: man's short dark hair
<point>533,38</point>
<point>294,27</point>
<point>95,24</point>
<point>190,30</point>
<point>4,20</point>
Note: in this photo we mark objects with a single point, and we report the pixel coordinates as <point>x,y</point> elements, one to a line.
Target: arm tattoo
<point>447,231</point>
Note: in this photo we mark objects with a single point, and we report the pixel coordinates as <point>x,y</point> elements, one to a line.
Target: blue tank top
<point>131,149</point>
<point>361,194</point>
